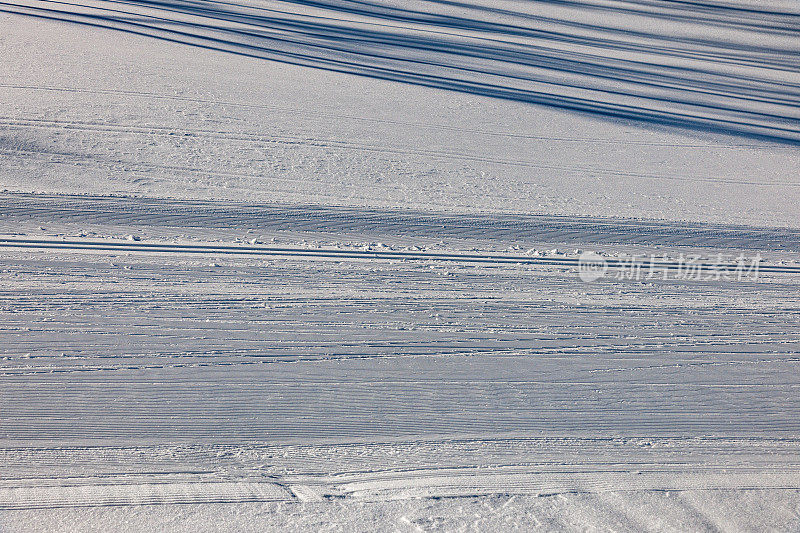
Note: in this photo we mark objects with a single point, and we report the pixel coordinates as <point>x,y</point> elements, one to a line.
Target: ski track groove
<point>372,470</point>
<point>77,245</point>
<point>10,121</point>
<point>330,143</point>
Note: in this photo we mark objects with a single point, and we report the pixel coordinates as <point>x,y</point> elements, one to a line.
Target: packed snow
<point>342,265</point>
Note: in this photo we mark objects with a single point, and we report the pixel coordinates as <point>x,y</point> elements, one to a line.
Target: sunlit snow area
<point>401,265</point>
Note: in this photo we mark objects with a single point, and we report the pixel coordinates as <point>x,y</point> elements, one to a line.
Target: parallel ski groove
<point>65,244</point>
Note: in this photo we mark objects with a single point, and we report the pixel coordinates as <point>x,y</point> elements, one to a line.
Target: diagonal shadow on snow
<point>657,65</point>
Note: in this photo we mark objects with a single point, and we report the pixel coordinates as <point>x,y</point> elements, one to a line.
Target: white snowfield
<point>325,265</point>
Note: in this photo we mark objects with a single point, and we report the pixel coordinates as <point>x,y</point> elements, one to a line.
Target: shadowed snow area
<point>708,93</point>
<point>710,65</point>
<point>322,265</point>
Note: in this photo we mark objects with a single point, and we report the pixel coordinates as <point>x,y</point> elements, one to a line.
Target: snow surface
<point>312,266</point>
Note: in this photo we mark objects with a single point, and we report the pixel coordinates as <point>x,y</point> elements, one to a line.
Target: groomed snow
<point>314,266</point>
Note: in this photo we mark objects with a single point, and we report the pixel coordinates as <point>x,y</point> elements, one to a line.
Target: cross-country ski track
<point>419,265</point>
<point>409,344</point>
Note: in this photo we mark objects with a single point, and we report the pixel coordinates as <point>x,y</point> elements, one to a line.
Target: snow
<point>301,266</point>
<point>157,118</point>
